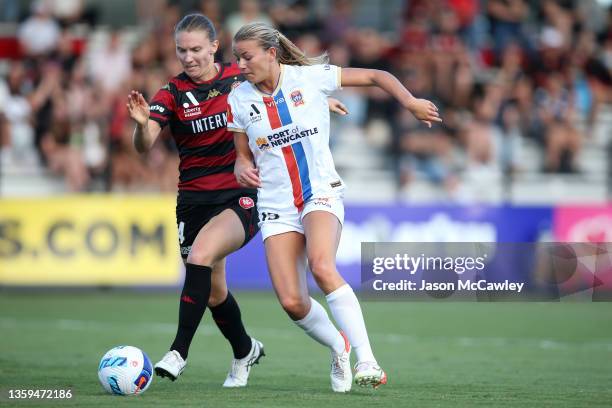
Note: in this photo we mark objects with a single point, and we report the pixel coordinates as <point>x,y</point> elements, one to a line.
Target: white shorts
<point>274,222</point>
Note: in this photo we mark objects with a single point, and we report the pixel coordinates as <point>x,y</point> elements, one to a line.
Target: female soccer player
<point>281,132</point>
<point>214,214</point>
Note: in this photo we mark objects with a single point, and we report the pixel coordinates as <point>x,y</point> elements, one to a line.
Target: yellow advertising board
<point>89,240</point>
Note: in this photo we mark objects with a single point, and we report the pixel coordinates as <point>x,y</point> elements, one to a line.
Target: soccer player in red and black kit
<point>214,214</point>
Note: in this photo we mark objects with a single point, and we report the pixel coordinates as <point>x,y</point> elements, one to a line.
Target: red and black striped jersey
<point>197,116</point>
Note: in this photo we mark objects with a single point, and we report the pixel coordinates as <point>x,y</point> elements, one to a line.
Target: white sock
<point>317,325</point>
<point>345,308</point>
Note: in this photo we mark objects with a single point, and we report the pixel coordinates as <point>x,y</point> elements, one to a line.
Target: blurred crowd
<point>501,71</point>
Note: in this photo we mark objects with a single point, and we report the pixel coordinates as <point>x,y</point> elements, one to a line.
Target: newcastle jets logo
<point>296,97</point>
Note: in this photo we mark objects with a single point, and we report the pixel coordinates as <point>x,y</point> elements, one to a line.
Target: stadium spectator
<point>338,25</point>
<point>506,19</point>
<point>296,19</point>
<point>556,115</point>
<point>69,12</point>
<point>17,110</point>
<point>39,34</point>
<point>369,50</point>
<point>60,143</point>
<point>467,12</point>
<point>425,153</point>
<point>248,11</point>
<point>110,66</point>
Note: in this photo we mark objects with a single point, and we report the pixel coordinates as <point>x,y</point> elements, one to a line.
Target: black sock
<point>194,298</point>
<point>229,321</point>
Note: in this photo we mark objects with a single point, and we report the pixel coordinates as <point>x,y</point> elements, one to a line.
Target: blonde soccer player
<point>280,121</point>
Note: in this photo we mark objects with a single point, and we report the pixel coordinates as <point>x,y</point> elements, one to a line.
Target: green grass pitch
<point>435,354</point>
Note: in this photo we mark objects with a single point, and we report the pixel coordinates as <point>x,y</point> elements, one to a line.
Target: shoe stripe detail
<point>347,345</point>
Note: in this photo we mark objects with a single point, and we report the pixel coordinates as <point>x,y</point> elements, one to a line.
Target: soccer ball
<point>125,370</point>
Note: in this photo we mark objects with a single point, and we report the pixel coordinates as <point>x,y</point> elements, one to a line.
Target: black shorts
<point>190,218</point>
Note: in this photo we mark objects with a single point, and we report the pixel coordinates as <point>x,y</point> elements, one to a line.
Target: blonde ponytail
<point>286,51</point>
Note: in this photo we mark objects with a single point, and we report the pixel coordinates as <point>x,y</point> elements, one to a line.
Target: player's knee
<point>323,270</point>
<point>200,257</point>
<point>217,296</point>
<point>294,306</point>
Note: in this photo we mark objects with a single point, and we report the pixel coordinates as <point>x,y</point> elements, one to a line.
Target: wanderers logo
<point>262,143</point>
<point>212,93</point>
<point>246,202</point>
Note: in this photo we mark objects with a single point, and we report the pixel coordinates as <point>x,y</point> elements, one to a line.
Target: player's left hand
<point>425,111</point>
<point>337,107</point>
<point>246,174</point>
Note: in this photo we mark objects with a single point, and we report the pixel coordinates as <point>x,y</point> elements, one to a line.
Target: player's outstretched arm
<point>146,130</point>
<point>245,171</point>
<point>422,109</point>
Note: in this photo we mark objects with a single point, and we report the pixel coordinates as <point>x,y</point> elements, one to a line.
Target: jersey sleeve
<point>326,76</point>
<point>162,106</point>
<point>234,114</point>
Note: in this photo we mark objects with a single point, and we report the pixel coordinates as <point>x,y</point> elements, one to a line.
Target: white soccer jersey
<point>288,134</point>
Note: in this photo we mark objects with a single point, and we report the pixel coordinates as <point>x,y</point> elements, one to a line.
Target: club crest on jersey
<point>262,143</point>
<point>235,84</point>
<point>296,97</point>
<point>246,202</point>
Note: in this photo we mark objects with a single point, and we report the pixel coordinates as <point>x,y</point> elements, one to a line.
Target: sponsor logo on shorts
<point>325,202</point>
<point>185,250</point>
<point>246,202</point>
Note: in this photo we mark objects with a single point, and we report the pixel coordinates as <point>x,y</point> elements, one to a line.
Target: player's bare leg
<point>323,231</point>
<point>286,263</point>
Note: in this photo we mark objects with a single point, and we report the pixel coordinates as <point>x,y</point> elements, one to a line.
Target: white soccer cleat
<point>171,365</point>
<point>341,376</point>
<point>239,372</point>
<point>369,373</point>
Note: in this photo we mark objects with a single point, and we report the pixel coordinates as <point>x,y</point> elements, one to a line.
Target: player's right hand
<point>425,111</point>
<point>246,174</point>
<point>138,108</point>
